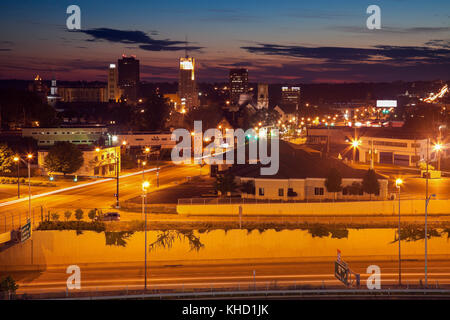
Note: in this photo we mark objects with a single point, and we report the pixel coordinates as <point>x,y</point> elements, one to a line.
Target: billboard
<point>386,103</point>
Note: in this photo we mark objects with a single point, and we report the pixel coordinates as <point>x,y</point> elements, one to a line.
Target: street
<point>217,275</point>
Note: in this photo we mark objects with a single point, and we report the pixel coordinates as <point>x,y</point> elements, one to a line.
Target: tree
<point>370,183</point>
<point>333,181</point>
<point>6,158</point>
<point>92,213</point>
<point>55,216</point>
<point>152,114</point>
<point>225,183</point>
<point>67,215</point>
<point>78,214</point>
<point>64,157</point>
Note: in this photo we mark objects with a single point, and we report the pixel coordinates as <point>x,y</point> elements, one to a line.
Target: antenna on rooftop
<point>186,46</point>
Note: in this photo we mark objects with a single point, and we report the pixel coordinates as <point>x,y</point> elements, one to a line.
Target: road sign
<point>25,231</point>
<point>341,272</point>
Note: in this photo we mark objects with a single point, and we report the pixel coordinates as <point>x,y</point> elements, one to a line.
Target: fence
<point>240,289</point>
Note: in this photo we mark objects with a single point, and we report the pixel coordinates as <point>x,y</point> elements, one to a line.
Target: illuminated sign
<point>386,103</point>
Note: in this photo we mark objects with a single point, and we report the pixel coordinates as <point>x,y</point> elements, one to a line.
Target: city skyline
<point>285,42</point>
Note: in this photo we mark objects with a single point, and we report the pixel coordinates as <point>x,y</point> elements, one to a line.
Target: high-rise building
<point>290,97</point>
<point>187,87</point>
<point>238,83</point>
<point>263,96</point>
<point>113,91</point>
<point>53,97</point>
<point>128,80</point>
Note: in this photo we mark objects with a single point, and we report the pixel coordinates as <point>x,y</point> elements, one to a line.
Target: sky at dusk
<point>278,41</point>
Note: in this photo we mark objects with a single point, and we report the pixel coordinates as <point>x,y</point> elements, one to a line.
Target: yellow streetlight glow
<point>29,156</point>
<point>124,143</point>
<point>144,163</point>
<point>437,147</point>
<point>16,159</point>
<point>398,182</point>
<point>147,149</point>
<point>145,185</point>
<point>355,143</point>
<point>97,149</point>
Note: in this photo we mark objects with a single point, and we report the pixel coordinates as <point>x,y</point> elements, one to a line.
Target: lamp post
<point>17,159</point>
<point>29,157</point>
<point>355,145</point>
<point>426,237</point>
<point>398,183</point>
<point>145,186</point>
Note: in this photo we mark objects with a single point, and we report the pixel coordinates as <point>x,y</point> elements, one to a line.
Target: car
<point>109,216</point>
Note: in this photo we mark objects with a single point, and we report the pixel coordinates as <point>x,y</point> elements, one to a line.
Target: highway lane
<point>99,195</point>
<point>229,275</point>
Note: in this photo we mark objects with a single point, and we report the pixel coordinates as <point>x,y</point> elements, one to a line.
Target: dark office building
<point>290,97</point>
<point>238,83</point>
<point>129,77</point>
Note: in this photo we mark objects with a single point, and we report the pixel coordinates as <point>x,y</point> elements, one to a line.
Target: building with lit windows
<point>113,92</point>
<point>187,86</point>
<point>99,162</point>
<point>47,137</point>
<point>129,77</point>
<point>238,83</point>
<point>290,97</point>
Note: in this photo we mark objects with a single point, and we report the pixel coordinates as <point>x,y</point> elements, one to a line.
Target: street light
<point>355,144</point>
<point>426,236</point>
<point>145,186</point>
<point>16,159</point>
<point>398,183</point>
<point>438,147</point>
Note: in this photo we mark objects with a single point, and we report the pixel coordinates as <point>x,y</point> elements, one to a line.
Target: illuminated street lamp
<point>398,184</point>
<point>355,144</point>
<point>17,159</point>
<point>145,186</point>
<point>438,148</point>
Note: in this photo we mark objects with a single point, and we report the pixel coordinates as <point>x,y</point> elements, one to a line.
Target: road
<point>229,275</point>
<point>98,195</point>
<point>413,186</point>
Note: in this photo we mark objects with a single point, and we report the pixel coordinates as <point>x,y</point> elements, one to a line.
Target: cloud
<point>5,49</point>
<point>387,29</point>
<point>140,38</point>
<point>377,54</point>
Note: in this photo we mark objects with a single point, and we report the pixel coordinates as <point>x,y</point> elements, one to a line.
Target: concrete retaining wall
<point>412,207</point>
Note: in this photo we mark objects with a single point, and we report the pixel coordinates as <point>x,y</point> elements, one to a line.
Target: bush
<point>8,284</point>
<point>72,225</point>
<point>55,216</point>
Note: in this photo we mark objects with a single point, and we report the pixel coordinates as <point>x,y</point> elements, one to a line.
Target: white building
<point>301,176</point>
<point>47,137</point>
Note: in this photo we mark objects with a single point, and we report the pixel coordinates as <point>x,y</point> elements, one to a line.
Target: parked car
<point>109,216</point>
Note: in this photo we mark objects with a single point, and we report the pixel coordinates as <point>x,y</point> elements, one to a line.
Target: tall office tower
<point>113,92</point>
<point>187,87</point>
<point>290,97</point>
<point>53,97</point>
<point>263,96</point>
<point>238,83</point>
<point>129,77</point>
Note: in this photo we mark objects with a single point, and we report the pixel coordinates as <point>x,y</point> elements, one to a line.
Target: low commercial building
<point>97,162</point>
<point>147,139</point>
<point>393,147</point>
<point>80,135</point>
<point>301,176</point>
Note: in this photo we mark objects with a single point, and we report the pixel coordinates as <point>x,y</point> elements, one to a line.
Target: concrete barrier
<point>368,208</point>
